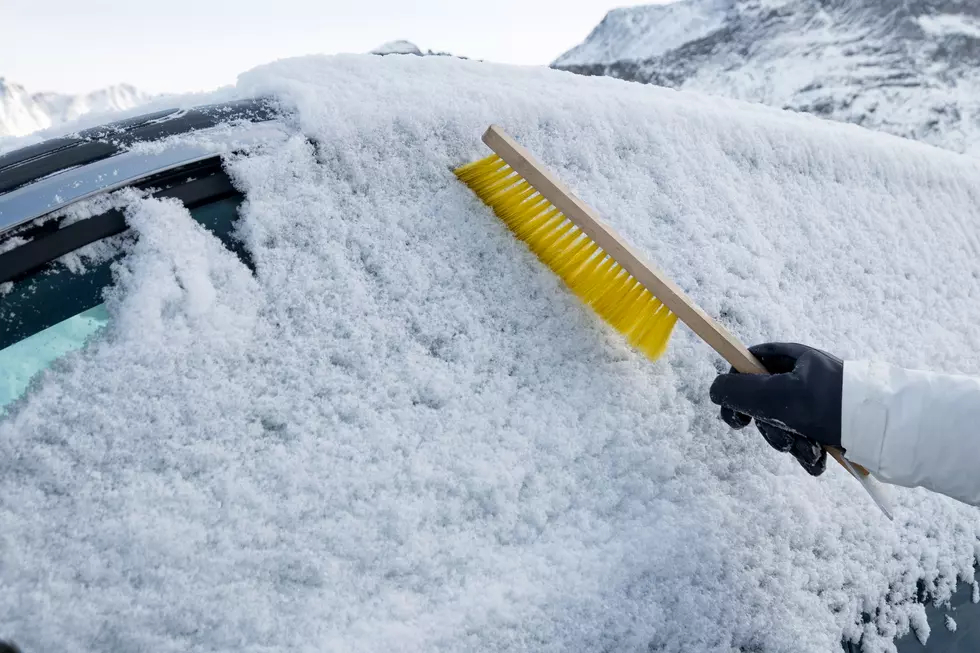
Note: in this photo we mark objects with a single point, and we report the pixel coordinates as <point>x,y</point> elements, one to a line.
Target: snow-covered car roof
<point>400,432</point>
<point>162,150</point>
<point>42,173</point>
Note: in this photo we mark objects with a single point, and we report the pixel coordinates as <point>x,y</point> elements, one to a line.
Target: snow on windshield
<point>404,434</point>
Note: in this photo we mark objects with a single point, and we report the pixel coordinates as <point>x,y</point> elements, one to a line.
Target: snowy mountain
<point>906,67</point>
<point>23,112</point>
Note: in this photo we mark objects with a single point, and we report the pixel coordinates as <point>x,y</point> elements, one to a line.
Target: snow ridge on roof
<point>400,46</point>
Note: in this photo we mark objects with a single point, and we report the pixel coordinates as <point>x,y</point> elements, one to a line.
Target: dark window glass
<point>56,311</point>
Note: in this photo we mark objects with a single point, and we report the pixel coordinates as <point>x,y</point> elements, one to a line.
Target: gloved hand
<point>796,408</point>
<point>8,647</point>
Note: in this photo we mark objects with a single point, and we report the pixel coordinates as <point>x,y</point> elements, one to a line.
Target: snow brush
<point>629,293</point>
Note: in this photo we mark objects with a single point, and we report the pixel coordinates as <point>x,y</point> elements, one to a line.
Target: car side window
<point>21,361</point>
<point>57,310</point>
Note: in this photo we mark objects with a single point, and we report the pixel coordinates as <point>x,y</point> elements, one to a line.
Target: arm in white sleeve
<point>917,429</point>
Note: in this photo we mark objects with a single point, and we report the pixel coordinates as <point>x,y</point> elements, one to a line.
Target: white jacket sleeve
<point>913,428</point>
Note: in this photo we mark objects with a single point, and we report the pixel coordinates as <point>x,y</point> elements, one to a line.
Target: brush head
<point>586,268</point>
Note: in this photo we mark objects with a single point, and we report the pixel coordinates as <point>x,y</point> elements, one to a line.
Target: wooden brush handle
<point>713,333</point>
<point>632,261</point>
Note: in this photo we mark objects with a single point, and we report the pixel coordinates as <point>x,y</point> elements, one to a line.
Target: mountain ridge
<point>23,112</point>
<point>904,67</point>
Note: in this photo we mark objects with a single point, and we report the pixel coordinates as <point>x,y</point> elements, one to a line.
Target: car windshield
<point>58,310</point>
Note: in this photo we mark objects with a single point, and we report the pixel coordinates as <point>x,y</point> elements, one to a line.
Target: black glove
<point>8,647</point>
<point>796,408</point>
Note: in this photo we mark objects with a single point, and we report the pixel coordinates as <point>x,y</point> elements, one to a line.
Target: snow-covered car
<point>274,380</point>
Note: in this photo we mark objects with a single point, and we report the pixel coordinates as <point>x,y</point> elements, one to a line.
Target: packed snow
<point>400,46</point>
<point>403,433</point>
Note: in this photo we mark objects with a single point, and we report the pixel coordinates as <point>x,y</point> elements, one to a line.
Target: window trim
<point>35,162</point>
<point>209,183</point>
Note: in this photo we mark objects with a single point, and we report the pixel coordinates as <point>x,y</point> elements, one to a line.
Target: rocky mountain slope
<point>908,67</point>
<point>23,112</point>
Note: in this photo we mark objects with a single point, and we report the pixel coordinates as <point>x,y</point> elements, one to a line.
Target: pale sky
<point>188,45</point>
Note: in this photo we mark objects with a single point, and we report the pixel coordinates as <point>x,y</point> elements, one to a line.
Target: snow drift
<point>404,434</point>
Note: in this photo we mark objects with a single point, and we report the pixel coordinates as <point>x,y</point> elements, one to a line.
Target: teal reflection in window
<point>21,361</point>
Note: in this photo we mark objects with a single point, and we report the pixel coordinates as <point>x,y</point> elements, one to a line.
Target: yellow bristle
<point>620,315</point>
<point>592,286</point>
<point>560,248</point>
<point>586,268</point>
<point>579,255</point>
<point>526,224</point>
